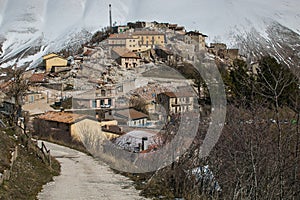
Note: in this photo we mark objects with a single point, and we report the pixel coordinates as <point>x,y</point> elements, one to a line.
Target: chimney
<point>144,147</point>
<point>110,18</point>
<point>62,109</point>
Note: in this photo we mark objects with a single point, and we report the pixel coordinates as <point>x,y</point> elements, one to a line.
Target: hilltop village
<point>128,81</point>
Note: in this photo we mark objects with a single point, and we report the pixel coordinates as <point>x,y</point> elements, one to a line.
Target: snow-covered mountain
<point>48,25</point>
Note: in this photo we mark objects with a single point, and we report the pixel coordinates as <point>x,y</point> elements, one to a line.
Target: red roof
<point>125,53</point>
<point>120,36</point>
<point>130,55</point>
<point>62,117</point>
<point>37,78</point>
<point>132,114</point>
<point>147,33</point>
<point>121,50</point>
<point>178,94</point>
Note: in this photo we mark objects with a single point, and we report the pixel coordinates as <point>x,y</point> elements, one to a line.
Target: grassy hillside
<point>7,145</point>
<point>29,173</point>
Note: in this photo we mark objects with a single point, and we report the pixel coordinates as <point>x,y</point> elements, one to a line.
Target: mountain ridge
<point>51,24</point>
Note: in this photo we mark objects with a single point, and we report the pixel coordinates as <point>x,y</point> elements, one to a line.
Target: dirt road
<point>83,177</point>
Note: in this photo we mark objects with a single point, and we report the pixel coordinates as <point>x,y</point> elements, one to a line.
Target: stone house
<point>32,97</point>
<point>165,54</point>
<point>94,100</point>
<point>68,127</point>
<point>58,125</point>
<point>197,38</point>
<point>119,40</point>
<point>176,102</point>
<point>131,117</point>
<point>218,49</point>
<point>125,58</point>
<point>130,60</point>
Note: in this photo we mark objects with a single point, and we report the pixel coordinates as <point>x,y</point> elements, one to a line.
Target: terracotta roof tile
<point>63,117</point>
<point>178,94</point>
<point>121,50</point>
<point>130,55</point>
<point>120,36</point>
<point>132,114</point>
<point>37,78</point>
<point>147,33</point>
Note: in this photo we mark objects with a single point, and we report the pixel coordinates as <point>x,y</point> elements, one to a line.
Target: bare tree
<point>16,92</point>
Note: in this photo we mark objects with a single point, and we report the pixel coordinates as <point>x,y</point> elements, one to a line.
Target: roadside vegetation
<point>29,172</point>
<point>257,155</point>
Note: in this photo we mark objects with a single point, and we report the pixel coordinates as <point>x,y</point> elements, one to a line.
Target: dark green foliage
<point>99,36</point>
<point>276,82</point>
<point>240,81</point>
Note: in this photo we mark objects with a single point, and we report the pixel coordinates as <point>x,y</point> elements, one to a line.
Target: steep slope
<point>281,42</point>
<point>49,25</point>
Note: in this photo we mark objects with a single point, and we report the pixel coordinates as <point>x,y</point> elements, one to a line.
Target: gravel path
<point>83,177</point>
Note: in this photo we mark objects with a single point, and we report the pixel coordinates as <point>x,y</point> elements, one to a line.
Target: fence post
<point>49,158</point>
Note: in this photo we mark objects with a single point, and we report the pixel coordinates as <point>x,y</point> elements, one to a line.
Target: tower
<point>110,18</point>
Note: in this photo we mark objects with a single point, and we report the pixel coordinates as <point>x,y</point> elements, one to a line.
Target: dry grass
<point>7,145</point>
<point>29,172</point>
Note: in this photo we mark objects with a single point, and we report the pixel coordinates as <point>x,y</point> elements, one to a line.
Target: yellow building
<point>133,44</point>
<point>137,41</point>
<point>51,61</point>
<point>118,40</point>
<point>149,38</point>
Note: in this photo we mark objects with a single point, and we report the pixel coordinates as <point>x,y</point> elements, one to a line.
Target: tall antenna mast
<point>110,18</point>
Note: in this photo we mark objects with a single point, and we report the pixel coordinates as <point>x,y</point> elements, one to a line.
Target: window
<point>94,104</point>
<point>103,93</point>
